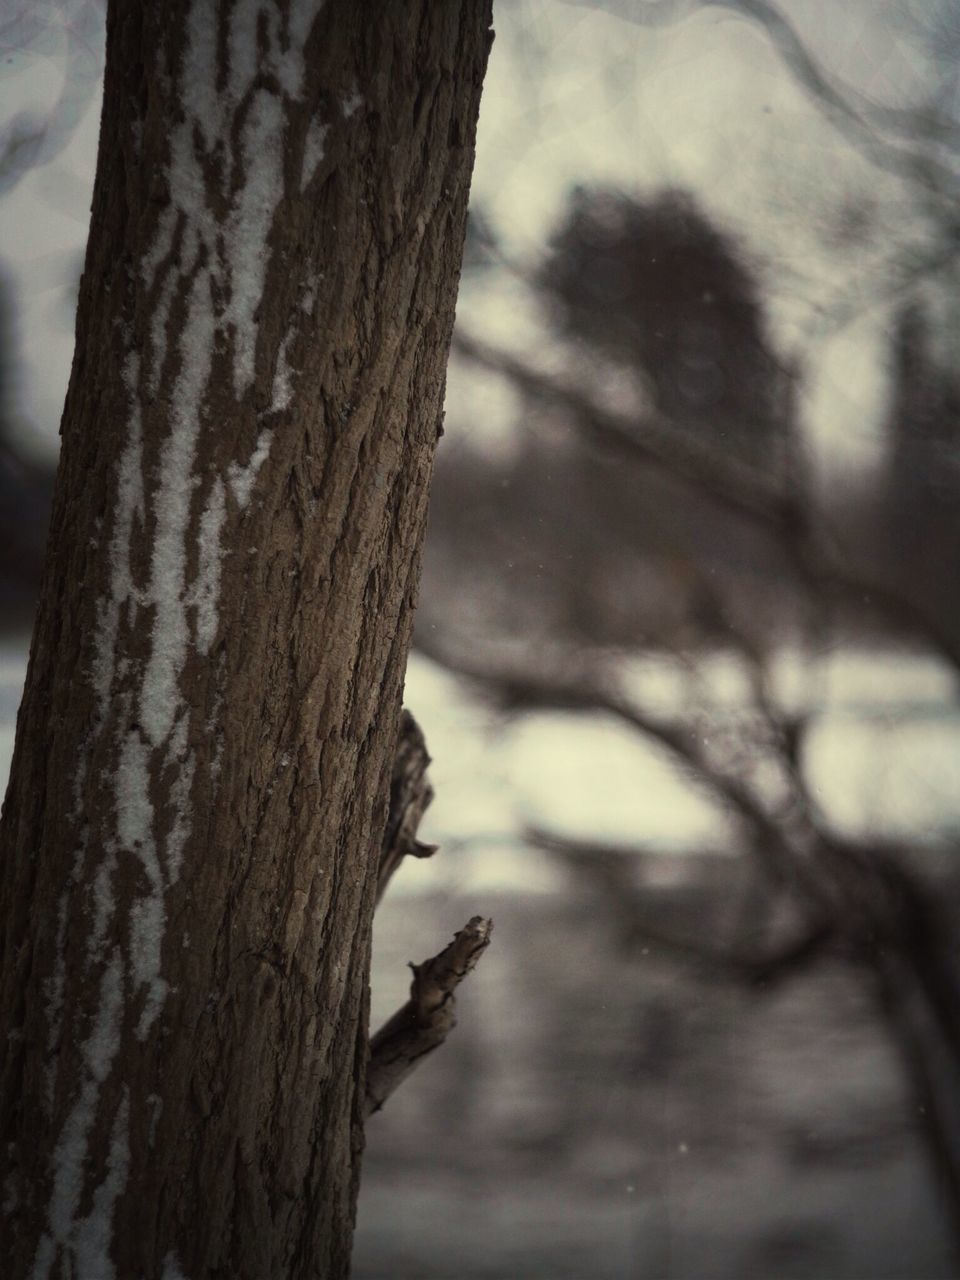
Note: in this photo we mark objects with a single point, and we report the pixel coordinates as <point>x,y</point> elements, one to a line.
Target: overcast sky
<point>577,94</point>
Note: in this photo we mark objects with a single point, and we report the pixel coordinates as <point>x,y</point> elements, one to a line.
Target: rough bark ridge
<point>410,796</point>
<point>193,825</point>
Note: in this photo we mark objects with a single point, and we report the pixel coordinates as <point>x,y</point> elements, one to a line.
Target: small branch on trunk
<point>427,1018</point>
<point>410,796</point>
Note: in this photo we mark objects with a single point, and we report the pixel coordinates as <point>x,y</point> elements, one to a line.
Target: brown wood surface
<point>200,1114</point>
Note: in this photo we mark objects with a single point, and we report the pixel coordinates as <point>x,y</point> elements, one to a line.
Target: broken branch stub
<point>410,796</point>
<point>425,1021</point>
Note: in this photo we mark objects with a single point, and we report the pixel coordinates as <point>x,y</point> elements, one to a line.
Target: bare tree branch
<point>581,692</point>
<point>778,515</point>
<point>608,867</point>
<point>428,1017</point>
<point>650,442</point>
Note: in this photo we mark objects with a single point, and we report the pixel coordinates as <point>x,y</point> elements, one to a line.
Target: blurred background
<point>688,644</point>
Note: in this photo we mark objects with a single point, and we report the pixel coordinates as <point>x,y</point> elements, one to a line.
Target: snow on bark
<point>135,834</point>
<point>129,507</point>
<point>282,392</point>
<point>67,1231</point>
<point>56,983</point>
<point>160,248</point>
<point>207,589</point>
<point>213,268</point>
<point>249,225</point>
<point>242,478</point>
<point>103,904</point>
<point>120,595</point>
<point>93,1234</point>
<point>313,151</point>
<point>159,697</point>
<point>171,1268</point>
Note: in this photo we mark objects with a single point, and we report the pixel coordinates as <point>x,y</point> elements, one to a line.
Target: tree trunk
<point>191,834</point>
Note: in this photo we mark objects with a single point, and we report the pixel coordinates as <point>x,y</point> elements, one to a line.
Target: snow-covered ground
<point>605,1115</point>
<point>884,758</point>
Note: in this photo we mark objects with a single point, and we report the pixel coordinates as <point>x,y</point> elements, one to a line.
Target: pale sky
<point>576,94</point>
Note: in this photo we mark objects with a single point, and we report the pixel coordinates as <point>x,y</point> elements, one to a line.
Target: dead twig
<point>428,1017</point>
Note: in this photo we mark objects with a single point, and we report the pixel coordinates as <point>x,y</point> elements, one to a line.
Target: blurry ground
<point>605,1111</point>
<point>595,1117</point>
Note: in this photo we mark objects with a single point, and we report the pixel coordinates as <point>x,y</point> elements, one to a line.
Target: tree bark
<point>193,824</point>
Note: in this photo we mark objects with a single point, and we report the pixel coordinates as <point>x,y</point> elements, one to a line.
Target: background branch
<point>780,516</point>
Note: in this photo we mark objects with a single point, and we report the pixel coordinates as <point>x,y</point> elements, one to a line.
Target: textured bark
<point>410,797</point>
<point>193,826</point>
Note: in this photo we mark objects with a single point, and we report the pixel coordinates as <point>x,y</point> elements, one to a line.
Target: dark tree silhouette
<point>922,492</point>
<point>658,286</point>
<point>25,488</point>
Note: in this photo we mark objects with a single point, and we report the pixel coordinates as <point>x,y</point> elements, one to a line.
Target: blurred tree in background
<point>25,488</point>
<point>656,288</point>
<point>659,505</point>
<point>919,498</point>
